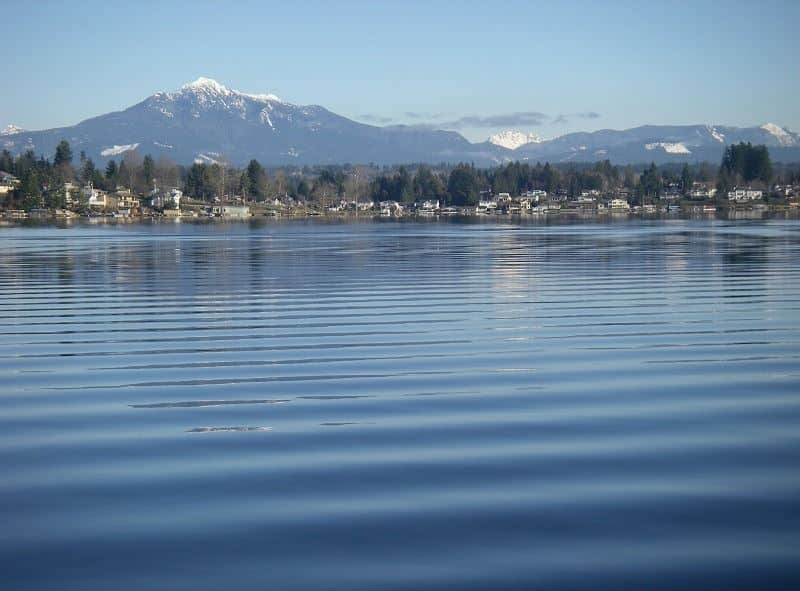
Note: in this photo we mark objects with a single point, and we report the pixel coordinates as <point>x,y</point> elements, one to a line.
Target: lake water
<point>400,406</point>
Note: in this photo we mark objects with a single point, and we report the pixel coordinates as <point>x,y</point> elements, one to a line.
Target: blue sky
<point>543,67</point>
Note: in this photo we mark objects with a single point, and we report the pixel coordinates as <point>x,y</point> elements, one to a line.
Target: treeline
<point>42,181</point>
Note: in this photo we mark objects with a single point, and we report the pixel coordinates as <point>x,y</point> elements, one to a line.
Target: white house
<point>486,206</point>
<point>537,195</point>
<point>174,195</point>
<point>619,205</point>
<point>235,211</point>
<point>97,198</point>
<point>747,194</point>
<point>702,191</point>
<point>8,182</point>
<point>389,208</point>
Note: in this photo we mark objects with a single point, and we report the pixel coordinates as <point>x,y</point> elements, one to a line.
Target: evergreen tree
<point>88,172</point>
<point>427,185</point>
<point>650,183</point>
<point>256,181</point>
<point>111,175</point>
<point>687,179</point>
<point>405,186</point>
<point>122,174</point>
<point>30,190</point>
<point>63,154</point>
<point>744,162</point>
<point>303,190</point>
<point>463,186</point>
<point>148,171</point>
<point>7,162</point>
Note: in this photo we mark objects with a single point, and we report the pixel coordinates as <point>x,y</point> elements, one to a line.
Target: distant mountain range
<point>205,121</point>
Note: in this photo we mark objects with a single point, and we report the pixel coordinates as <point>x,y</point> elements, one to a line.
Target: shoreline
<point>728,214</point>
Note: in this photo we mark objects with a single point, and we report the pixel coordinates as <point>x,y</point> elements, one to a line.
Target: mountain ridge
<point>206,121</point>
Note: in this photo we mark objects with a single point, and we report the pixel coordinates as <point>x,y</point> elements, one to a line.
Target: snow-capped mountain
<point>206,121</point>
<point>11,129</point>
<point>662,143</point>
<point>512,140</point>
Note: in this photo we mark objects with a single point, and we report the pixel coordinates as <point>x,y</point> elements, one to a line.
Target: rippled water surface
<point>400,406</point>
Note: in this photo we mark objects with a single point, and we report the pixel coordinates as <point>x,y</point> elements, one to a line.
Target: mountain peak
<point>211,86</point>
<point>11,129</point>
<point>512,139</point>
<point>206,84</point>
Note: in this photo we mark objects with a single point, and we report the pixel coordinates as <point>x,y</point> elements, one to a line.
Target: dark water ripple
<point>401,406</point>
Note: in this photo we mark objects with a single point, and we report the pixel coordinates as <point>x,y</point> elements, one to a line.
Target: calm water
<point>400,406</point>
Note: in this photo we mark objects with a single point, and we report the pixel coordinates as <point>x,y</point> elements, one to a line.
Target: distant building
<point>8,182</point>
<point>165,199</point>
<point>702,191</point>
<point>619,205</point>
<point>486,206</point>
<point>536,195</point>
<point>127,201</point>
<point>234,211</point>
<point>390,208</point>
<point>98,199</point>
<point>746,194</point>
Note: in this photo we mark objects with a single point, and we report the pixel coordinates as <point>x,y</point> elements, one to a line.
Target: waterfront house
<point>430,205</point>
<point>390,208</point>
<point>702,191</point>
<point>234,211</point>
<point>486,206</point>
<point>8,182</point>
<point>671,193</point>
<point>536,195</point>
<point>619,205</point>
<point>127,201</point>
<point>98,199</point>
<point>525,203</point>
<point>746,194</point>
<point>167,199</point>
